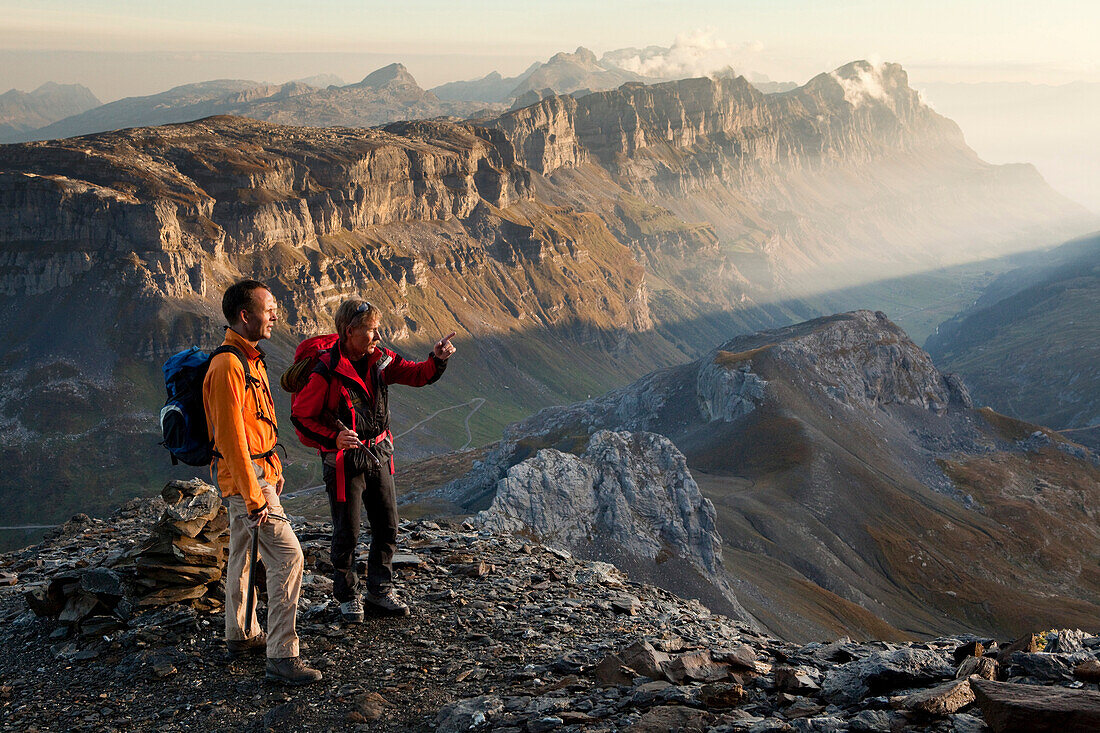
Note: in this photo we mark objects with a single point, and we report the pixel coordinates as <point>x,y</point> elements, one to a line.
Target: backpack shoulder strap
<point>227,349</point>
<point>249,381</point>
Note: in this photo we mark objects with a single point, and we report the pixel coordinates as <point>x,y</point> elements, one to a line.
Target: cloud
<point>865,85</point>
<point>697,53</point>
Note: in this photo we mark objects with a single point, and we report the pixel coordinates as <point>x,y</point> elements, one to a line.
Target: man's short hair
<point>238,297</point>
<point>351,311</point>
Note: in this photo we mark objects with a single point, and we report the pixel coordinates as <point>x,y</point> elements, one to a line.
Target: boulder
<point>983,667</point>
<point>1029,643</point>
<point>973,649</point>
<point>644,659</point>
<point>790,679</point>
<point>884,671</point>
<point>1067,641</point>
<point>741,656</point>
<point>1012,708</point>
<point>612,671</point>
<point>468,714</point>
<point>667,718</point>
<point>697,666</point>
<point>943,699</point>
<point>722,695</point>
<point>1088,671</point>
<point>1038,666</point>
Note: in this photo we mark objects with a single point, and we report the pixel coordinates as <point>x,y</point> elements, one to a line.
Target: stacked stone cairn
<point>179,562</point>
<point>182,560</point>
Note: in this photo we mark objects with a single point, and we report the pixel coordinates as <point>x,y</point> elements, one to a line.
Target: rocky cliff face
<point>839,459</point>
<point>729,129</point>
<point>774,175</point>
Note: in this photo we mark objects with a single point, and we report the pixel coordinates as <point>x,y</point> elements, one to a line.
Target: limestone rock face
<point>154,201</point>
<point>727,394</point>
<point>544,134</point>
<point>849,112</point>
<point>631,491</point>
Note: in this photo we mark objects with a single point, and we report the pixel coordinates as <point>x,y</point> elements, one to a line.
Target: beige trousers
<point>282,556</point>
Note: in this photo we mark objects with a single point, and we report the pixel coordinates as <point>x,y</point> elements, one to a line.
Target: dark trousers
<point>374,491</point>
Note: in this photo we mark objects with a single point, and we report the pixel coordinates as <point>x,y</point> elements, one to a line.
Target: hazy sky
<point>105,42</point>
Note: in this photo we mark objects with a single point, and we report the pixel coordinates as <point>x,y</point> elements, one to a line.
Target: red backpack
<point>294,379</point>
<point>305,358</point>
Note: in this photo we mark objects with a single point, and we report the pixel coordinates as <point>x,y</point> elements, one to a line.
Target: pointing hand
<point>444,348</point>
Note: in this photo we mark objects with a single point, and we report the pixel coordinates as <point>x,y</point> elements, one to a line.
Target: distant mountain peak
<point>581,56</point>
<point>394,74</point>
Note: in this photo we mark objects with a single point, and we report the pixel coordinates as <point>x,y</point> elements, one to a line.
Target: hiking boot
<point>244,647</point>
<point>386,604</point>
<point>291,671</point>
<point>352,610</point>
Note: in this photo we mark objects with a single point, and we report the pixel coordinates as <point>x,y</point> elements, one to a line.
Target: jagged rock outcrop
<point>628,498</point>
<point>568,72</point>
<point>544,135</point>
<point>863,361</point>
<point>631,491</point>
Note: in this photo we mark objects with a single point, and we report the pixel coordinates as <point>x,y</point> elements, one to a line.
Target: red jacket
<point>315,407</point>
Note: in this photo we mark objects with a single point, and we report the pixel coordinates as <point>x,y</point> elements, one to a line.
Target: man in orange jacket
<point>241,421</point>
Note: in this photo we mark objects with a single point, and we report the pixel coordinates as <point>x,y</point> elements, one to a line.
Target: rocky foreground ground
<point>505,635</point>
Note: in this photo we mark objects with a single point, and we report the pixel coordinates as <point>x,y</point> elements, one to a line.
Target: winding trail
<point>477,402</point>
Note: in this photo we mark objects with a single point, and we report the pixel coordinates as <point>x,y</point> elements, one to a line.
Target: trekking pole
<point>340,424</point>
<point>250,603</point>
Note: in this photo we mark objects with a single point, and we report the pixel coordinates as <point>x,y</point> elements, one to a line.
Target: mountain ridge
<point>22,112</point>
<point>832,451</point>
<point>566,266</point>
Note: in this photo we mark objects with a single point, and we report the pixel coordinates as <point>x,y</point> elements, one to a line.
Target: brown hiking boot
<point>243,647</point>
<point>386,604</point>
<point>291,671</point>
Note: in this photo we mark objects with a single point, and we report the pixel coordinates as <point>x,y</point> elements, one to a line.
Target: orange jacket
<point>241,420</point>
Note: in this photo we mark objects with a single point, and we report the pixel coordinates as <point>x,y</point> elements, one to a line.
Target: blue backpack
<point>183,417</point>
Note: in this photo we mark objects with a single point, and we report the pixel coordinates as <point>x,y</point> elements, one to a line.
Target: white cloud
<point>865,85</point>
<point>697,53</point>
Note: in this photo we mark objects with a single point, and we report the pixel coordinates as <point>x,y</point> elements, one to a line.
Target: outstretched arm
<point>417,374</point>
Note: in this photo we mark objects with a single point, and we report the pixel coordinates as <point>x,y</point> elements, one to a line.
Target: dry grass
<point>729,359</point>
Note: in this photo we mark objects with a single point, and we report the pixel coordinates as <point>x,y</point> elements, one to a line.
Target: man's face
<point>261,317</point>
<point>363,336</point>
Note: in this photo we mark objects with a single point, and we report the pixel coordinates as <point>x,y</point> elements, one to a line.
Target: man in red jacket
<point>344,411</point>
